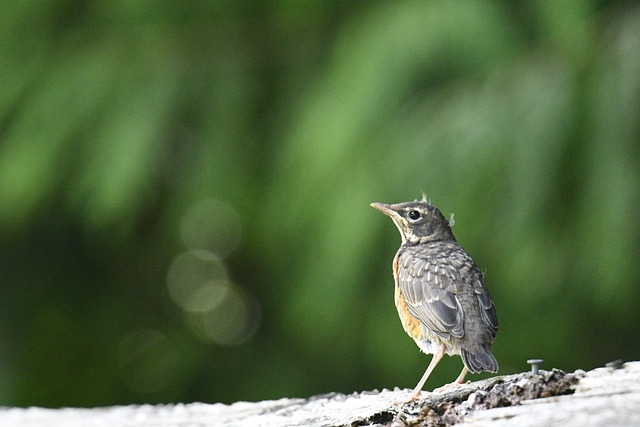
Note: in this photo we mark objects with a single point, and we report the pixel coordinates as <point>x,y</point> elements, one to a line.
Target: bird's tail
<point>478,362</point>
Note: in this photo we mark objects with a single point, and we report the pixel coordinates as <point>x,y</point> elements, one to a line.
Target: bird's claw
<point>412,398</point>
<point>449,387</point>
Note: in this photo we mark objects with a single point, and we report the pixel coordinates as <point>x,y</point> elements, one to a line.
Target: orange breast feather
<point>410,324</point>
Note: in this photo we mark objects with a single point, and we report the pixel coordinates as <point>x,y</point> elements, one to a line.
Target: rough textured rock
<point>602,397</point>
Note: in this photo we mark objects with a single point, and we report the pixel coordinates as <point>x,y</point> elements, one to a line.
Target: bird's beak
<point>393,214</point>
<point>384,208</point>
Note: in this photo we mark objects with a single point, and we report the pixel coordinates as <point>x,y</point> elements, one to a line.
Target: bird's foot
<point>414,396</point>
<point>449,387</point>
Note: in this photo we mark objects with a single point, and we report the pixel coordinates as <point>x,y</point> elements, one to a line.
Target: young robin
<point>440,293</point>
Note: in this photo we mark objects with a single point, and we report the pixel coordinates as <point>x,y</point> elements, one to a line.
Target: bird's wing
<point>429,286</point>
<point>487,307</point>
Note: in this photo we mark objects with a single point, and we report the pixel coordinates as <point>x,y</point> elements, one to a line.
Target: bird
<point>440,293</point>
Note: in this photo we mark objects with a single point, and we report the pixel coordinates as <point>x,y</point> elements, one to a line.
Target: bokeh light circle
<point>212,225</point>
<point>194,280</point>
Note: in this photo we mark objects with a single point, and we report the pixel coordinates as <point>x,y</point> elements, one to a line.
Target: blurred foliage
<point>184,189</point>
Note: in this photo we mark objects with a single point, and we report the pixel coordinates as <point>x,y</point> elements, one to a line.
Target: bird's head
<point>418,221</point>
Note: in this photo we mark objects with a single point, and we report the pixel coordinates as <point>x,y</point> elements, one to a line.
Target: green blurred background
<point>185,189</point>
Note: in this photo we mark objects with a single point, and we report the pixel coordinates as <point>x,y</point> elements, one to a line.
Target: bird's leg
<point>434,361</point>
<point>458,380</point>
<point>463,374</point>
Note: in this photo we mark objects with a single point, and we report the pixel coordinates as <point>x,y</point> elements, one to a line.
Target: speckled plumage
<point>440,293</point>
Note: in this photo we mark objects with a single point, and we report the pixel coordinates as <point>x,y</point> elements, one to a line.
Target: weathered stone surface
<point>602,397</point>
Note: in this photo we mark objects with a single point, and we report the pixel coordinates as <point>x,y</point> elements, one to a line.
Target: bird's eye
<point>414,215</point>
